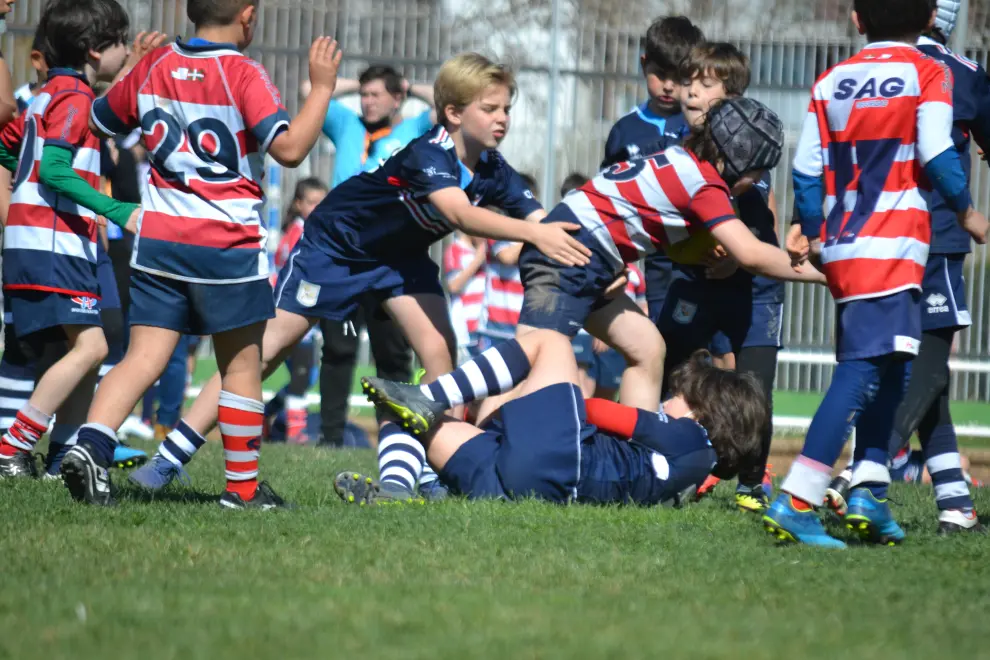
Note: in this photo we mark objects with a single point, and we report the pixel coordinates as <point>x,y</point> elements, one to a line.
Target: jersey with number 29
<point>208,113</point>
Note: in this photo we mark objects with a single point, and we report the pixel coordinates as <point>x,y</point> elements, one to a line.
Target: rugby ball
<point>692,250</point>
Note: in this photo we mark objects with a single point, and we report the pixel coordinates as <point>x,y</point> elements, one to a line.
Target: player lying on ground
<point>545,443</point>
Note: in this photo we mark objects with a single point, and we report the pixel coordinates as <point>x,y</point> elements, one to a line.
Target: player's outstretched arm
<point>57,174</point>
<point>761,258</point>
<point>551,239</point>
<point>291,146</point>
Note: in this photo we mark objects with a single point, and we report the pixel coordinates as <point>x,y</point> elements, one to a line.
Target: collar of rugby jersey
<point>202,45</point>
<point>66,71</point>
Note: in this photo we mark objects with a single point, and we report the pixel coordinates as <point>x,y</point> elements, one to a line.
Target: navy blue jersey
<point>971,116</point>
<point>640,132</point>
<point>385,214</point>
<point>664,457</point>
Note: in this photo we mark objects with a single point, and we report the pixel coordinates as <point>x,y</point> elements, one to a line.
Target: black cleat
<point>18,466</point>
<point>356,488</point>
<point>414,410</point>
<point>264,498</point>
<point>86,479</point>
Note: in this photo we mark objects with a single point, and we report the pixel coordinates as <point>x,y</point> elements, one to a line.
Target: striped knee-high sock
<point>496,370</point>
<point>181,444</point>
<point>16,385</point>
<point>945,466</point>
<point>240,420</point>
<point>28,427</point>
<point>400,457</point>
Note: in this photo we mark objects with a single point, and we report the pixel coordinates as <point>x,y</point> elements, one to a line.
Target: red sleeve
<point>611,417</point>
<point>711,205</point>
<point>450,259</point>
<point>116,113</point>
<point>65,122</point>
<point>259,102</point>
<point>936,82</point>
<point>13,133</point>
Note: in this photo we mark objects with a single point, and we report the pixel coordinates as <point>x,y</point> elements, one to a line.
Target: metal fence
<point>578,71</point>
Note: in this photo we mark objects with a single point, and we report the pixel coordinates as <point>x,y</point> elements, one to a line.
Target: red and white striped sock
<point>240,420</point>
<point>28,427</point>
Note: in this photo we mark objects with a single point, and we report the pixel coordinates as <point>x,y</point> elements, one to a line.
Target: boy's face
<point>663,87</point>
<point>486,119</point>
<point>698,95</point>
<point>310,201</point>
<point>111,62</point>
<point>377,104</point>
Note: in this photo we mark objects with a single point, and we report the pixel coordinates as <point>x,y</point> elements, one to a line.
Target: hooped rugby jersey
<point>466,306</point>
<point>49,243</point>
<point>874,121</point>
<point>634,207</point>
<point>386,214</point>
<point>503,294</point>
<point>208,113</point>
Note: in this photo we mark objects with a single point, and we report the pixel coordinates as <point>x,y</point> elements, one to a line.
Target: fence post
<point>550,163</point>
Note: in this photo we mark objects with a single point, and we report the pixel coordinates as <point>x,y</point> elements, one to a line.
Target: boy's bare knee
<point>93,346</point>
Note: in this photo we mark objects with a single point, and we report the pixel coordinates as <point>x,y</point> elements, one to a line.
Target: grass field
<point>179,578</point>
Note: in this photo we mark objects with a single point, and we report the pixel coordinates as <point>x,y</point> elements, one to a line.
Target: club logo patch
<point>684,312</point>
<point>936,304</point>
<point>85,305</point>
<point>308,294</point>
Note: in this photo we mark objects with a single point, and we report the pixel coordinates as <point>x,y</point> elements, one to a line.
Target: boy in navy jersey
<point>656,125</point>
<point>372,234</point>
<point>546,445</point>
<point>925,408</point>
<point>208,115</point>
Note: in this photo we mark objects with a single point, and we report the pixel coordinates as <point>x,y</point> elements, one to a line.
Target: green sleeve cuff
<point>8,159</point>
<point>57,174</point>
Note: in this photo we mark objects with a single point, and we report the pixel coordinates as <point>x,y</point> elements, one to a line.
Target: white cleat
<point>954,521</point>
<point>133,427</point>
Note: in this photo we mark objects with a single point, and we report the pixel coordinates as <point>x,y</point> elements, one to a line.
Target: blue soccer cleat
<point>871,519</point>
<point>125,457</point>
<point>158,473</point>
<point>787,524</point>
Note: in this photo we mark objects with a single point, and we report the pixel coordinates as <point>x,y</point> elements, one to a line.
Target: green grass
<point>179,578</point>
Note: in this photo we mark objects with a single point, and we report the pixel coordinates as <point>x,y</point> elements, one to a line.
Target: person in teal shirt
<point>365,141</point>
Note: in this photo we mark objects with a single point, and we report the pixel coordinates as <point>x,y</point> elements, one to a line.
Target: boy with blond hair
<point>373,232</point>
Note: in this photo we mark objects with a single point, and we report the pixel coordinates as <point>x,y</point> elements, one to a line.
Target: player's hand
<point>132,222</point>
<point>144,43</point>
<point>975,224</point>
<point>809,273</point>
<point>553,240</point>
<point>618,286</point>
<point>324,60</point>
<point>797,244</point>
<point>719,265</point>
<point>598,346</point>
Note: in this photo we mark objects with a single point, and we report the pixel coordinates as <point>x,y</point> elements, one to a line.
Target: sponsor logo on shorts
<point>684,311</point>
<point>85,305</point>
<point>936,304</point>
<point>307,294</point>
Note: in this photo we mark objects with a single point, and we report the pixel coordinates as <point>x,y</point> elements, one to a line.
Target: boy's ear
<point>453,114</point>
<point>95,55</point>
<point>248,15</point>
<point>857,23</point>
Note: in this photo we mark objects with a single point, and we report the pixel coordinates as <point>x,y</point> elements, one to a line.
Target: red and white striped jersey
<point>49,243</point>
<point>208,114</point>
<point>875,120</point>
<point>287,243</point>
<point>503,294</point>
<point>636,206</point>
<point>466,306</point>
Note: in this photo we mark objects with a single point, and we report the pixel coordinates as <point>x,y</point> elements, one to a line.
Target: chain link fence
<point>578,71</point>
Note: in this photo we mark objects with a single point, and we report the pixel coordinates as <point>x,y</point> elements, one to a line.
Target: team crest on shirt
<point>84,305</point>
<point>684,311</point>
<point>307,294</point>
<point>191,75</point>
